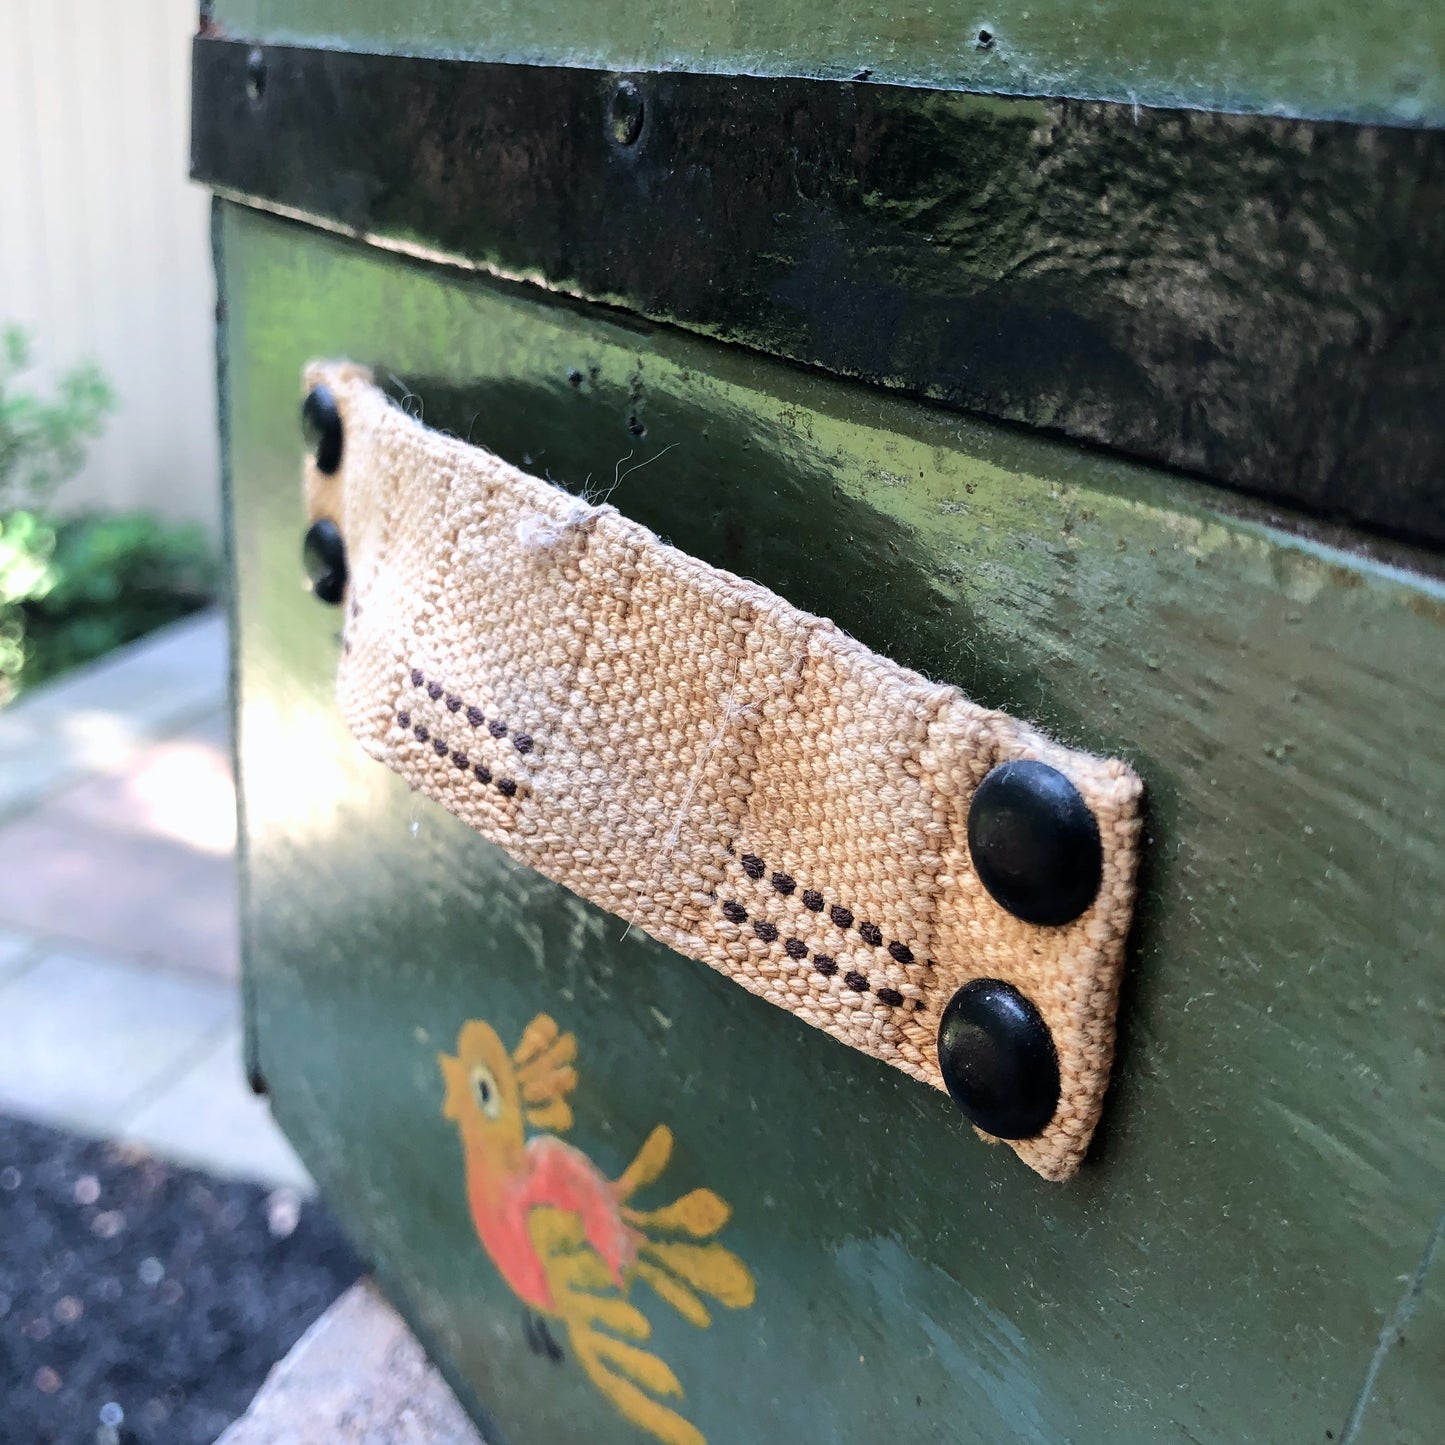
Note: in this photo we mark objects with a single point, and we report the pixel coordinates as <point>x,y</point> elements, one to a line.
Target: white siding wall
<point>104,244</point>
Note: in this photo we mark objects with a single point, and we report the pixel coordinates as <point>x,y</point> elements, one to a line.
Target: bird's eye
<point>484,1083</point>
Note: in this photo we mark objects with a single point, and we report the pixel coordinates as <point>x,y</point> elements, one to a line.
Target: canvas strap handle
<point>686,749</point>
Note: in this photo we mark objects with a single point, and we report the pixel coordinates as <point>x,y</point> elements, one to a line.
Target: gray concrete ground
<point>357,1377</point>
<point>119,1011</point>
<point>119,1008</point>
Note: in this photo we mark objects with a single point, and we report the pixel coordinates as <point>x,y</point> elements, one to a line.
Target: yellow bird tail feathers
<point>681,1274</point>
<point>678,1271</point>
<point>602,1328</point>
<point>647,1167</point>
<point>630,1378</point>
<point>677,1257</point>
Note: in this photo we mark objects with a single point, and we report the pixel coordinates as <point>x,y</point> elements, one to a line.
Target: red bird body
<point>553,1173</point>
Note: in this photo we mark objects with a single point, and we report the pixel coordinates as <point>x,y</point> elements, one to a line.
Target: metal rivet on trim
<point>627,113</point>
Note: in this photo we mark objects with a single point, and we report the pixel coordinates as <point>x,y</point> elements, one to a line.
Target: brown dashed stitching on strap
<point>797,950</point>
<point>523,742</point>
<point>507,787</point>
<point>842,917</point>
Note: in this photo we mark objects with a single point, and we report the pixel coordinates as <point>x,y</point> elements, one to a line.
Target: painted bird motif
<point>566,1238</point>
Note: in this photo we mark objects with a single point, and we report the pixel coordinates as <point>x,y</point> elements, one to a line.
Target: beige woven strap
<point>739,779</point>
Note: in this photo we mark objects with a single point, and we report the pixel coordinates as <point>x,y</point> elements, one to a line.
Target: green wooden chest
<point>1093,362</point>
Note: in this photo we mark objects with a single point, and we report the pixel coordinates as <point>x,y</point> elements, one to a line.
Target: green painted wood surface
<point>1247,1255</point>
<point>1319,58</point>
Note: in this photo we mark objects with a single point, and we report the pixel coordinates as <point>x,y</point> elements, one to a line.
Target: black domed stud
<point>321,422</point>
<point>1035,844</point>
<point>324,554</point>
<point>998,1059</point>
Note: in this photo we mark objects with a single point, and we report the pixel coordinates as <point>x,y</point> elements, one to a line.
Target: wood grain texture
<point>1231,1263</point>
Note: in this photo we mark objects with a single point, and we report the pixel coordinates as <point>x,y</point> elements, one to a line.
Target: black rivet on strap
<point>323,554</point>
<point>321,422</point>
<point>998,1059</point>
<point>1035,844</point>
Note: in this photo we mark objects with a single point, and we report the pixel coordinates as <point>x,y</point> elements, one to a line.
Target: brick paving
<point>119,1006</point>
<point>118,921</point>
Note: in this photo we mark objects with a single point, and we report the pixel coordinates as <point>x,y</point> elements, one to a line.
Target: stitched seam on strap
<point>454,703</point>
<point>840,916</point>
<point>823,963</point>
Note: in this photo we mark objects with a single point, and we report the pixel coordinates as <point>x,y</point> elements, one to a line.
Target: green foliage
<point>72,589</point>
<point>111,579</point>
<point>26,546</point>
<point>42,442</point>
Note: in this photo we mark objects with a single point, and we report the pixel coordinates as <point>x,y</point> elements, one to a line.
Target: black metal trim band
<point>1254,299</point>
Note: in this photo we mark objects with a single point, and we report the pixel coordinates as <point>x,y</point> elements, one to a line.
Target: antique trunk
<point>1088,363</point>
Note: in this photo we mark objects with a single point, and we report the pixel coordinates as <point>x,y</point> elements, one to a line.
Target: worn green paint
<point>1232,1262</point>
<point>1319,58</point>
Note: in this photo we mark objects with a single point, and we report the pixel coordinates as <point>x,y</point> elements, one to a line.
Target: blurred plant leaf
<point>43,440</point>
